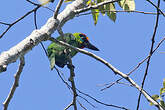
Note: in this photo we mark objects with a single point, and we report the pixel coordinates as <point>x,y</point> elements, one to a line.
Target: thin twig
<point>85,94</point>
<point>40,5</point>
<point>125,84</point>
<point>151,52</point>
<point>135,68</point>
<point>71,79</point>
<point>36,27</point>
<point>61,33</point>
<point>63,80</point>
<point>68,106</point>
<point>81,105</point>
<point>69,87</point>
<point>115,70</point>
<point>129,11</point>
<point>58,8</point>
<point>9,26</point>
<point>138,65</point>
<point>4,23</point>
<point>78,11</point>
<point>86,101</point>
<point>158,8</point>
<point>35,19</point>
<point>72,74</point>
<point>111,84</point>
<point>33,3</point>
<point>102,102</point>
<point>19,19</point>
<point>15,84</point>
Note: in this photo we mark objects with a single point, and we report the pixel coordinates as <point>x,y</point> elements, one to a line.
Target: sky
<point>123,44</point>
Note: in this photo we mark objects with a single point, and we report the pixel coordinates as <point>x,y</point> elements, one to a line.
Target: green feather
<point>58,54</point>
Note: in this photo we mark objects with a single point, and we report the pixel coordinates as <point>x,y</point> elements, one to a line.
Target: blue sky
<point>123,44</point>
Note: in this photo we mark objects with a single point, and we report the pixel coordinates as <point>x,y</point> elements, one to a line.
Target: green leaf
<point>44,2</point>
<point>66,1</point>
<point>162,103</point>
<point>52,63</point>
<point>164,83</point>
<point>95,14</point>
<point>155,97</point>
<point>102,8</point>
<point>112,15</point>
<point>127,4</point>
<point>51,54</point>
<point>89,2</point>
<point>162,90</point>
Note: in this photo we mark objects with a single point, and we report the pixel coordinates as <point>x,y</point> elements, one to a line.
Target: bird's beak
<point>90,46</point>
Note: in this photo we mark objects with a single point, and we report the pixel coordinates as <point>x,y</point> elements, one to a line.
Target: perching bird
<point>58,54</point>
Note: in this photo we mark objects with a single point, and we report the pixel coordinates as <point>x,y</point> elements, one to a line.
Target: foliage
<point>160,97</point>
<point>109,9</point>
<point>44,2</point>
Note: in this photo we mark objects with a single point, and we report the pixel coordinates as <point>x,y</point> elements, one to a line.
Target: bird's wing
<point>53,51</point>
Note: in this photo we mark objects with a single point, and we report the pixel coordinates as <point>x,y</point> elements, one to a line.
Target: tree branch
<point>120,11</point>
<point>156,7</point>
<point>43,33</point>
<point>78,11</point>
<point>151,52</point>
<point>71,79</point>
<point>10,25</point>
<point>73,87</point>
<point>15,84</point>
<point>115,106</point>
<point>72,74</point>
<point>115,70</point>
<point>4,23</point>
<point>136,67</point>
<point>81,105</point>
<point>58,8</point>
<point>39,35</point>
<point>70,87</point>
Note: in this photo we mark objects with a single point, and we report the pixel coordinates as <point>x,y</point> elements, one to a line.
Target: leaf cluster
<point>160,96</point>
<point>108,9</point>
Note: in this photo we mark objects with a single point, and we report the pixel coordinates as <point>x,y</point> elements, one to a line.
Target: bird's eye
<point>83,37</point>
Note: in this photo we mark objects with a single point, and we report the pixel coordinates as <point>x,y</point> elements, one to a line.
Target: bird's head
<point>84,41</point>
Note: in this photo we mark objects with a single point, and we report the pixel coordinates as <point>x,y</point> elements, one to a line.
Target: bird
<point>58,54</point>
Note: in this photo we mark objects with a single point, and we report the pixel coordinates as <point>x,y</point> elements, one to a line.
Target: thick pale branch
<point>42,34</point>
<point>37,36</point>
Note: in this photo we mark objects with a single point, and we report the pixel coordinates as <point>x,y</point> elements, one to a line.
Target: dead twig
<point>15,84</point>
<point>151,51</point>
